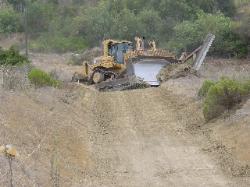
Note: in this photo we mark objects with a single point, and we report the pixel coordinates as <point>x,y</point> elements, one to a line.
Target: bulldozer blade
<point>147,69</point>
<point>203,51</point>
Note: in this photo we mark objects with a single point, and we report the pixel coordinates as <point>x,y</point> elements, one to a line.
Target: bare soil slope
<point>86,138</point>
<point>135,138</point>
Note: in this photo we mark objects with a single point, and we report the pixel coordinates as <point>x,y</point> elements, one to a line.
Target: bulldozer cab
<point>117,49</point>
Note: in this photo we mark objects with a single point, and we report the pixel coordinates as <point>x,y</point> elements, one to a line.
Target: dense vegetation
<point>176,24</point>
<point>207,84</point>
<point>12,57</point>
<point>222,96</point>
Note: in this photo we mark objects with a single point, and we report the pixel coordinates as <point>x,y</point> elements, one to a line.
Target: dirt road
<point>134,138</point>
<point>139,140</point>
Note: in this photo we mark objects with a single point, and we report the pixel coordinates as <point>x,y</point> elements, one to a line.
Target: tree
<point>9,21</point>
<point>189,35</point>
<point>151,24</point>
<point>94,24</point>
<point>39,17</point>
<point>227,7</point>
<point>18,5</point>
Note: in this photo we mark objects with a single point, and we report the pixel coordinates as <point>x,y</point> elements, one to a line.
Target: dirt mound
<point>174,71</point>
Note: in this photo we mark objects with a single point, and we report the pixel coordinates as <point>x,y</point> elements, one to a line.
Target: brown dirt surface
<point>174,71</point>
<point>151,137</point>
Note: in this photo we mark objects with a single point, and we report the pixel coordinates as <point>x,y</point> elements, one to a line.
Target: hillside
<point>135,138</point>
<point>56,132</point>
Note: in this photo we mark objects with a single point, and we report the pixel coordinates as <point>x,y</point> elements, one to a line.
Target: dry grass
<point>14,78</point>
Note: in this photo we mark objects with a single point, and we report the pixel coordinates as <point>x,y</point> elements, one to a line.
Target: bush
<point>190,34</point>
<point>222,96</point>
<point>9,21</point>
<point>205,87</point>
<point>40,79</point>
<point>12,57</point>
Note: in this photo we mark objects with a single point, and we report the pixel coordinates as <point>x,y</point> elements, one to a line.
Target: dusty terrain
<point>153,137</point>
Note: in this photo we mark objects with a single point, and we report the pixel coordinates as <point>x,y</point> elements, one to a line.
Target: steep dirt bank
<point>231,141</point>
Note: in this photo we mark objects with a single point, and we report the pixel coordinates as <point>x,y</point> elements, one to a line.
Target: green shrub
<point>40,79</point>
<point>190,34</point>
<point>12,57</point>
<point>222,96</point>
<point>10,21</point>
<point>205,87</point>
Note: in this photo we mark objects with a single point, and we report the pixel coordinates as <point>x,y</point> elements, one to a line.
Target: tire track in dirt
<point>139,140</point>
<point>133,138</point>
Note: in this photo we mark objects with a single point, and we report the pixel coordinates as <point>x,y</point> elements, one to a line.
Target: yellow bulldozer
<point>111,65</point>
<point>123,63</point>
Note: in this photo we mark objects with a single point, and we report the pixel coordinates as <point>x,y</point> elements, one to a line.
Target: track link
<point>127,83</point>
